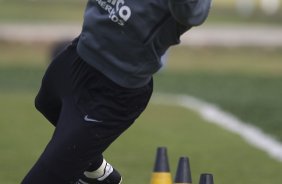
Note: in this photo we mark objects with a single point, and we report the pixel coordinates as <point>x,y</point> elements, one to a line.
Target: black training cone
<point>161,173</point>
<point>183,173</point>
<point>161,163</point>
<point>206,179</point>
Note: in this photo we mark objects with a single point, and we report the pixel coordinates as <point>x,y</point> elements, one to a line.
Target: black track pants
<point>89,112</point>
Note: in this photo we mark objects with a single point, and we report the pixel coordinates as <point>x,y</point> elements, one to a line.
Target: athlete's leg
<point>110,105</point>
<point>75,146</point>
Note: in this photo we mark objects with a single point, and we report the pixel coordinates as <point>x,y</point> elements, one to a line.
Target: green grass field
<point>243,81</point>
<point>210,148</point>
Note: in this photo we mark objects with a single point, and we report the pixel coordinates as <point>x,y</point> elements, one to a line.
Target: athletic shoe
<point>111,176</point>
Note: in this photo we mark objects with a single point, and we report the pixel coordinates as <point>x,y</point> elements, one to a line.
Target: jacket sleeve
<point>190,12</point>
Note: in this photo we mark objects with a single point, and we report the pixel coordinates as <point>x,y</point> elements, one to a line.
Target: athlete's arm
<point>190,12</point>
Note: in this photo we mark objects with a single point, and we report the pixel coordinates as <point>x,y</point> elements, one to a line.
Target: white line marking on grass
<point>214,114</point>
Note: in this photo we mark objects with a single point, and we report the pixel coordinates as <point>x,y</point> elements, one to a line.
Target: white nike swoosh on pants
<point>86,118</point>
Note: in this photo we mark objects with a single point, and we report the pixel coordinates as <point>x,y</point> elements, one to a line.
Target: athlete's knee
<point>49,109</point>
<point>41,104</point>
<point>38,103</point>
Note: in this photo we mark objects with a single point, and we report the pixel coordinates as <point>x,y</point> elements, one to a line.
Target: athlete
<point>98,85</point>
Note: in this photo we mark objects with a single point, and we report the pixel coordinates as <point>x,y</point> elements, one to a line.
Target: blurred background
<point>233,61</point>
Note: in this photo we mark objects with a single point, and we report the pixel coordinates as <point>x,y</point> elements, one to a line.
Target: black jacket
<point>125,39</point>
